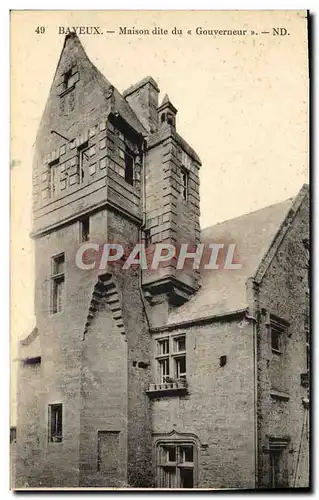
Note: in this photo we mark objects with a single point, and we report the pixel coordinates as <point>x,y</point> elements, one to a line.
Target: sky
<point>242,105</point>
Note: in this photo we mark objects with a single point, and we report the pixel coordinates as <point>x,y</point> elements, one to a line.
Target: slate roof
<point>224,290</point>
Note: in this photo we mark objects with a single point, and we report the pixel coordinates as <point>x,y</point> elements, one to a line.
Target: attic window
<point>163,117</point>
<point>69,80</point>
<point>170,120</point>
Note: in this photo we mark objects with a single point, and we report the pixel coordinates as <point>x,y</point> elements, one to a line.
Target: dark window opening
<point>170,120</point>
<point>186,478</point>
<point>222,361</point>
<point>84,160</point>
<point>278,477</point>
<point>55,423</point>
<point>180,367</point>
<point>57,284</point>
<point>147,237</point>
<point>185,181</point>
<point>69,79</point>
<point>163,117</point>
<point>275,340</point>
<point>129,169</point>
<point>85,229</point>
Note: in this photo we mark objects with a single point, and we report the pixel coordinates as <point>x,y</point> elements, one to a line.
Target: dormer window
<point>69,79</point>
<point>170,120</point>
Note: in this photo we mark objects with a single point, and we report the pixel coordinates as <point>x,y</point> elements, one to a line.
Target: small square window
<point>169,453</point>
<point>58,264</point>
<point>180,344</point>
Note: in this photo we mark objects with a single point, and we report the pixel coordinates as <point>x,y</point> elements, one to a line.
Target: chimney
<point>143,99</point>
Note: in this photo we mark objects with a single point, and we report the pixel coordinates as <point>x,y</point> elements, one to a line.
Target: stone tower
<point>107,168</point>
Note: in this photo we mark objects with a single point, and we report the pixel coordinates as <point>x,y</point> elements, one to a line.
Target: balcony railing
<point>167,388</point>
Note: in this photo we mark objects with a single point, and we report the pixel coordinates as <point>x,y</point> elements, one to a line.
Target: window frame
<point>174,357</point>
<point>57,437</point>
<point>178,464</point>
<point>84,230</point>
<point>280,327</point>
<point>278,447</point>
<point>57,277</point>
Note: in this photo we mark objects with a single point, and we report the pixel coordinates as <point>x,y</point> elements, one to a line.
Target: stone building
<point>172,378</point>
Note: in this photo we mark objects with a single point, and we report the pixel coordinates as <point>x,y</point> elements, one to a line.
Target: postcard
<point>160,334</point>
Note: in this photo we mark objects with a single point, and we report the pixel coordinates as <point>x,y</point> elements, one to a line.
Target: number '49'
<point>40,30</point>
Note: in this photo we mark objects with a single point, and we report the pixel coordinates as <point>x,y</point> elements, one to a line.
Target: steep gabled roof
<point>254,234</point>
<point>119,104</point>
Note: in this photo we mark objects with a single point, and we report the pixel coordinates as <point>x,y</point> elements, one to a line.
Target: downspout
<point>142,228</point>
<point>252,315</point>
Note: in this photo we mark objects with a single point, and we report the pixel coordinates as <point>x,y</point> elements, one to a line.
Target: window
<point>55,423</point>
<point>129,168</point>
<point>277,330</point>
<point>171,359</point>
<point>278,472</point>
<point>185,182</point>
<point>84,161</point>
<point>54,178</point>
<point>69,80</point>
<point>147,237</point>
<point>170,120</point>
<point>85,229</point>
<point>176,465</point>
<point>57,284</point>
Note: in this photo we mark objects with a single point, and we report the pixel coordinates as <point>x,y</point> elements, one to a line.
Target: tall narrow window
<point>54,180</point>
<point>185,182</point>
<point>129,168</point>
<point>278,472</point>
<point>176,465</point>
<point>85,229</point>
<point>83,161</point>
<point>55,423</point>
<point>58,278</point>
